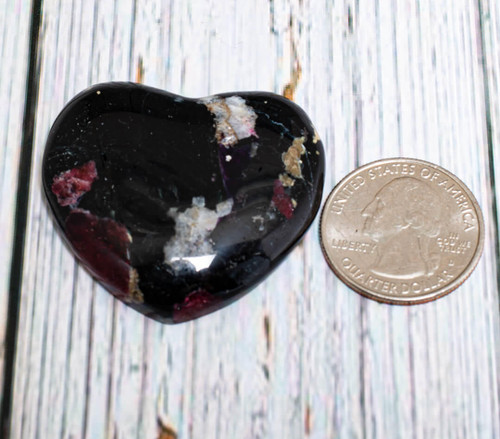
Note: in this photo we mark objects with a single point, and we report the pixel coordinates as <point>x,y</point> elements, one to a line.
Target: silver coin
<point>402,231</point>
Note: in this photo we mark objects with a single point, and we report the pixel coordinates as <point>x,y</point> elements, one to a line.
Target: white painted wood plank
<point>51,400</point>
<point>14,47</point>
<point>490,20</point>
<point>302,355</point>
<point>459,363</point>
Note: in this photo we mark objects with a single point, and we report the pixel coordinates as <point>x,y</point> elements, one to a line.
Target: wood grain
<point>14,45</point>
<point>302,355</point>
<point>489,17</point>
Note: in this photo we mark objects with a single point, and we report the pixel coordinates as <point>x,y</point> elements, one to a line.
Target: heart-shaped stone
<point>180,206</point>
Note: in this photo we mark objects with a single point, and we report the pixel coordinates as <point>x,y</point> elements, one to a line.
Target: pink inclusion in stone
<point>195,304</point>
<point>282,200</point>
<point>102,244</point>
<point>69,186</point>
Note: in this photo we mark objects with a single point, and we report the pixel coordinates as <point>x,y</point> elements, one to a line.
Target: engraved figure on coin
<point>403,218</point>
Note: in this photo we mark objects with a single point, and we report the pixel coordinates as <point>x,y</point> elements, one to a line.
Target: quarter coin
<point>402,231</point>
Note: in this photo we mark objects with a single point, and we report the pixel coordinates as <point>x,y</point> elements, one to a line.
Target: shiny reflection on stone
<point>198,262</point>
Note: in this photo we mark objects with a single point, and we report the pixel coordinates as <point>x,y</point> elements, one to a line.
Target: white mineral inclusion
<point>234,119</point>
<point>193,227</point>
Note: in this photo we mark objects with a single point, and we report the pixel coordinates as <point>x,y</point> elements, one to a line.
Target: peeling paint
<point>290,88</point>
<point>267,332</point>
<point>296,73</point>
<point>308,420</point>
<point>139,71</point>
<point>166,429</point>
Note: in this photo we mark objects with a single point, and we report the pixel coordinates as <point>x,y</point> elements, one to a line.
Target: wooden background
<point>302,356</point>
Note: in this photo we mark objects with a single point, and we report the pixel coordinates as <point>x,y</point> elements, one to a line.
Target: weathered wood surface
<point>490,38</point>
<point>14,46</point>
<point>302,355</point>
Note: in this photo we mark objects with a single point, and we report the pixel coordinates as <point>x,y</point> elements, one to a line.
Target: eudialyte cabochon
<point>180,206</point>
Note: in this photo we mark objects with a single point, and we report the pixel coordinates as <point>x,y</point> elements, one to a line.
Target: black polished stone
<point>180,206</point>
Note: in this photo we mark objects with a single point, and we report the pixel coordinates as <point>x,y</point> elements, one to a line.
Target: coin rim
<point>459,280</point>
